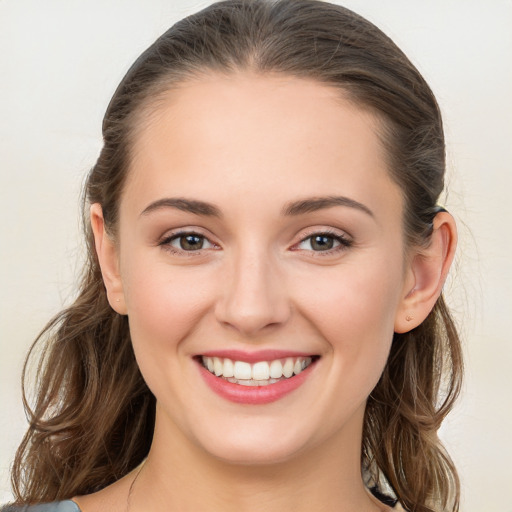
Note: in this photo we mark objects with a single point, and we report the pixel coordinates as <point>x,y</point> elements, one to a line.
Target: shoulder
<point>56,506</point>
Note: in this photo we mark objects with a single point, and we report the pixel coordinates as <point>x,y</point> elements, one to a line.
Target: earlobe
<point>426,274</point>
<point>107,253</point>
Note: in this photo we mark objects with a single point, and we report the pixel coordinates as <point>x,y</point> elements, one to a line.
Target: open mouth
<point>261,373</point>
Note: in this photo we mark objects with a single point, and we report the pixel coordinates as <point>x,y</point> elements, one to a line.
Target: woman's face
<point>260,230</point>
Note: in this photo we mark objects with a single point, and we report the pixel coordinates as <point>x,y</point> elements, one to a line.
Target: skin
<point>250,145</point>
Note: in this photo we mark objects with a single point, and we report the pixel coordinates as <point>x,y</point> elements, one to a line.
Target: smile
<point>255,379</point>
<point>261,373</point>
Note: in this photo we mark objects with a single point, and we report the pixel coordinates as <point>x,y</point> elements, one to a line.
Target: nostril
<point>252,317</point>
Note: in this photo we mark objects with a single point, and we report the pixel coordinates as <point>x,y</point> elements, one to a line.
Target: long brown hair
<point>93,415</point>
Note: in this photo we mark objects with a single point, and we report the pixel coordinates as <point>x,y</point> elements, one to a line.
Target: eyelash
<point>166,243</point>
<point>343,241</point>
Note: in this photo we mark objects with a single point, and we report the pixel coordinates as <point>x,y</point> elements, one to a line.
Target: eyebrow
<point>314,204</point>
<point>294,208</point>
<point>186,205</point>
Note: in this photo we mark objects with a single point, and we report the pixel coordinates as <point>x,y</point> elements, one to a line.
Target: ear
<point>426,274</point>
<point>109,261</point>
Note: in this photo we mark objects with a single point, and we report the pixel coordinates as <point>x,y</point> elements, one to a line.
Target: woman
<point>260,324</point>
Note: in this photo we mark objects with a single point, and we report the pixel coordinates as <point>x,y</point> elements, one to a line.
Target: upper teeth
<point>262,370</point>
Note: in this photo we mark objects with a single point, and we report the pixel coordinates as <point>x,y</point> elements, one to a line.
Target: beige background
<point>60,61</point>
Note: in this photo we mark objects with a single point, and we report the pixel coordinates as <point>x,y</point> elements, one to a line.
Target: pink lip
<point>252,395</point>
<point>254,357</point>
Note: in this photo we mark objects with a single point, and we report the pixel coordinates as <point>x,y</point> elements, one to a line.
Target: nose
<point>254,296</point>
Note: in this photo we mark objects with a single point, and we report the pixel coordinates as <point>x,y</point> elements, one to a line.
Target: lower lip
<point>254,395</point>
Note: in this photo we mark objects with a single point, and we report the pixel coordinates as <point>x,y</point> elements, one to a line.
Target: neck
<point>179,475</point>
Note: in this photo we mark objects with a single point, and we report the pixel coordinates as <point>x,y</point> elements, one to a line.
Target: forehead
<point>221,134</point>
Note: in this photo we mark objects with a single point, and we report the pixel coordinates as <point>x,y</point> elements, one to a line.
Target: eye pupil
<point>322,243</point>
<point>191,242</point>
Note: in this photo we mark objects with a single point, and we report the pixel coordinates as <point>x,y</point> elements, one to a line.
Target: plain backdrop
<point>60,61</point>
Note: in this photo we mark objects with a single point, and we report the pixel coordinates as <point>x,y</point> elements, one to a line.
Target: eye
<point>188,242</point>
<point>324,242</point>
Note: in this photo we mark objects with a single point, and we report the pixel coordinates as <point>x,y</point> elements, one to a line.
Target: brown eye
<point>191,242</point>
<point>322,242</point>
<point>187,242</point>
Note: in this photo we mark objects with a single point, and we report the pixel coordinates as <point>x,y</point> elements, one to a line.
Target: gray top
<point>56,506</point>
<point>71,506</point>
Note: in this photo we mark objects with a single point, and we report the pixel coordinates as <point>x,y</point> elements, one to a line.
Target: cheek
<point>165,306</point>
<point>164,303</point>
<point>354,310</point>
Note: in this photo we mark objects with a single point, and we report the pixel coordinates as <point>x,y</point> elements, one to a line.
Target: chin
<point>260,454</point>
<point>264,444</point>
